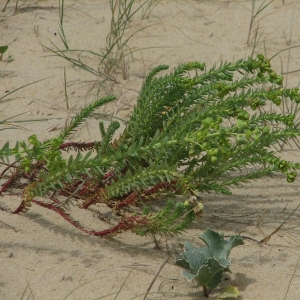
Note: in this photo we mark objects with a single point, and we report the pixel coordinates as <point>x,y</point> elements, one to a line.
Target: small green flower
<point>33,140</point>
<point>241,125</point>
<point>291,176</point>
<point>26,164</point>
<point>213,159</point>
<point>283,165</point>
<point>277,101</point>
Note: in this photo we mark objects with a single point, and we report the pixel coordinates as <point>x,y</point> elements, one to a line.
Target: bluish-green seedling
<point>207,264</point>
<point>3,49</point>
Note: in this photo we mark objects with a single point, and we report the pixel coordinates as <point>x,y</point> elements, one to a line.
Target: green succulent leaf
<point>216,244</point>
<point>207,264</point>
<point>3,49</point>
<point>210,273</point>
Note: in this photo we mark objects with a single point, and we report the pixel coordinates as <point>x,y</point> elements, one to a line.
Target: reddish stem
<point>128,200</point>
<point>155,189</point>
<point>159,186</point>
<point>90,201</point>
<point>8,182</point>
<point>62,213</point>
<point>126,224</point>
<point>77,146</point>
<point>21,208</point>
<point>7,168</point>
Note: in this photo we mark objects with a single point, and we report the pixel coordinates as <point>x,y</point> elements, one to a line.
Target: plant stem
<point>205,290</point>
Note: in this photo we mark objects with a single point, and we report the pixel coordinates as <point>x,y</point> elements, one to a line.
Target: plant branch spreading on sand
<point>192,131</point>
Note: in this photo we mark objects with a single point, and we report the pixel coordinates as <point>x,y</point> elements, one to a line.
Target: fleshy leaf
<point>3,49</point>
<point>188,275</point>
<point>229,292</point>
<point>210,274</point>
<point>207,264</point>
<point>195,257</point>
<point>217,245</point>
<point>181,262</point>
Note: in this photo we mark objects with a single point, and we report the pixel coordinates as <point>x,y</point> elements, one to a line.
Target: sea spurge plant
<point>192,131</point>
<point>206,265</point>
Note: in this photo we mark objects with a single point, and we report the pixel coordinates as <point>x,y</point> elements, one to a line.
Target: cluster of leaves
<point>191,131</point>
<point>207,264</point>
<point>172,218</point>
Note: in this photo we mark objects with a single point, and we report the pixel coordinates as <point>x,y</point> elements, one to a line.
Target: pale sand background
<point>43,252</point>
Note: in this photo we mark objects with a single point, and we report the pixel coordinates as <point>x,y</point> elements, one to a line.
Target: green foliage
<point>191,131</point>
<point>204,124</point>
<point>173,218</point>
<point>3,49</point>
<point>207,264</point>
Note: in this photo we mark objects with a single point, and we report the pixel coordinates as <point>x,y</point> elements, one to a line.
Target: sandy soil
<point>42,256</point>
